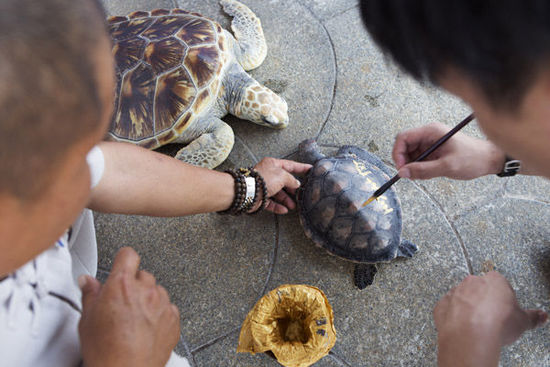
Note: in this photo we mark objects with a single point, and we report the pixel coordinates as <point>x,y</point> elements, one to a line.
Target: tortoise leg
<point>248,32</point>
<point>406,249</point>
<point>363,275</point>
<point>211,148</point>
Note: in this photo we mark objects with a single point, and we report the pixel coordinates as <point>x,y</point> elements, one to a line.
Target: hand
<point>461,157</point>
<point>129,321</point>
<point>479,316</point>
<point>280,182</point>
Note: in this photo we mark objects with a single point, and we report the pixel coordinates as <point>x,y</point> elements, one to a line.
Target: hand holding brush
<point>421,157</point>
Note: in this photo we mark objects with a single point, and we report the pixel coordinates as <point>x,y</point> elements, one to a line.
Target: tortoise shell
<point>168,68</point>
<point>331,212</point>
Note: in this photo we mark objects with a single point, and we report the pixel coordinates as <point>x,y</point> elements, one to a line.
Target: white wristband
<point>250,191</point>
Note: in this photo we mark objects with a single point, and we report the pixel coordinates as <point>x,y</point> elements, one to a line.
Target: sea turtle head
<point>263,106</point>
<point>309,152</point>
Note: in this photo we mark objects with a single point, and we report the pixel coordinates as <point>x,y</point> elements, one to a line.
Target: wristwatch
<point>511,167</point>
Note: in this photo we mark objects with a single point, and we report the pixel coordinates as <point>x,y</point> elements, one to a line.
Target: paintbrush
<point>422,156</point>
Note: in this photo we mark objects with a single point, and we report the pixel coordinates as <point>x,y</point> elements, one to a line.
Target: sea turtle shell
<point>331,212</point>
<point>169,64</point>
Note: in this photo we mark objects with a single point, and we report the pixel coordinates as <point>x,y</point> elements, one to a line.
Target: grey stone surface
<point>224,354</point>
<point>389,322</point>
<point>114,7</point>
<point>528,188</point>
<point>326,9</point>
<point>515,237</point>
<point>299,66</point>
<point>213,267</point>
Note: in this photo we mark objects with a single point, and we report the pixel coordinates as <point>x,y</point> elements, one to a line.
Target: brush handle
<point>429,151</point>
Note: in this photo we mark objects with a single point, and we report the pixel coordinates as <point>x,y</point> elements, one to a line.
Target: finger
<point>294,167</point>
<point>163,294</point>
<point>290,183</point>
<point>283,198</point>
<point>146,278</point>
<point>90,288</point>
<point>411,140</point>
<point>422,170</point>
<point>535,318</point>
<point>126,261</point>
<point>276,208</point>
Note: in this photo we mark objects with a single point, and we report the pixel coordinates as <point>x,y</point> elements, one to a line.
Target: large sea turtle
<point>331,212</point>
<point>178,73</point>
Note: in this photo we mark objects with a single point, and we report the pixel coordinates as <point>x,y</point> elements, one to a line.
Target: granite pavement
<point>340,90</point>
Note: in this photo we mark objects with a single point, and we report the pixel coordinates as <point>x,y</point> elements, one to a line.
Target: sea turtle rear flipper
<point>252,48</point>
<point>406,249</point>
<point>364,155</point>
<point>363,275</point>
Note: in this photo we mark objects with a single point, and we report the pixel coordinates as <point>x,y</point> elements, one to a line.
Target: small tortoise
<point>178,73</point>
<point>331,212</point>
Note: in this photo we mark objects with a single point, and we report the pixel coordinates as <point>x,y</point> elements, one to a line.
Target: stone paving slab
<point>326,9</point>
<point>513,235</point>
<point>213,267</point>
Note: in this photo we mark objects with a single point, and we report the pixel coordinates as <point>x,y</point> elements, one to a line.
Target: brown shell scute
<point>202,62</point>
<point>164,55</point>
<point>138,14</point>
<point>134,118</point>
<point>158,12</point>
<point>197,31</point>
<point>130,28</point>
<point>175,94</point>
<point>164,27</point>
<point>128,53</point>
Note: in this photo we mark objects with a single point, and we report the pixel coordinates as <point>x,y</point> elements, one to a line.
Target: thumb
<point>90,288</point>
<point>422,170</point>
<point>535,318</point>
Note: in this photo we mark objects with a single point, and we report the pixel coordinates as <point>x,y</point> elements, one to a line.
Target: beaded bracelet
<point>260,186</point>
<point>240,193</point>
<point>240,204</point>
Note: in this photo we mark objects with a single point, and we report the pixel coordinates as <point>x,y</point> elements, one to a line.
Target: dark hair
<point>501,45</point>
<point>48,91</point>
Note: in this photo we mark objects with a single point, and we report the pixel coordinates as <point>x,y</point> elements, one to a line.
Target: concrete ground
<point>340,90</point>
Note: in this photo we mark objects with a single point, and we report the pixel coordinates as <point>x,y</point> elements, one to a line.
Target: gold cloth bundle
<point>294,322</point>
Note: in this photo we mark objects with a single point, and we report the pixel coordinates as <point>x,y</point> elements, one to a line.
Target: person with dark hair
<point>56,98</point>
<point>495,55</point>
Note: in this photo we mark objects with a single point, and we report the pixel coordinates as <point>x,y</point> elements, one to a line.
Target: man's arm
<point>143,182</point>
<point>476,318</point>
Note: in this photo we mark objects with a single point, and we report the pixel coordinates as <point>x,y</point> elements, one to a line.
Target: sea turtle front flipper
<point>406,249</point>
<point>363,275</point>
<point>210,149</point>
<point>248,32</point>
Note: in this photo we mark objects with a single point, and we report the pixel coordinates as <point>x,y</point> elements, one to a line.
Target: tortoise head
<point>261,105</point>
<point>309,152</point>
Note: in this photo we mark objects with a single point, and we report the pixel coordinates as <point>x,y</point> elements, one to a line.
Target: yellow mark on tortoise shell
<point>361,168</point>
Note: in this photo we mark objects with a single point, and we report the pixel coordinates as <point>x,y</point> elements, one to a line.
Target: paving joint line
<point>274,258</point>
<point>335,357</point>
<point>335,60</point>
<point>189,355</point>
<point>247,148</point>
<point>501,193</point>
<point>451,224</point>
<point>336,15</point>
<point>214,341</point>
